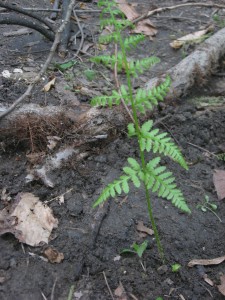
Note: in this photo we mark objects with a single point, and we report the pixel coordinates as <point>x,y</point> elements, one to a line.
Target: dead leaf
<point>52,142</point>
<point>61,199</point>
<point>49,85</point>
<point>206,262</point>
<point>192,37</point>
<point>219,183</point>
<point>28,219</point>
<point>53,255</point>
<point>144,26</point>
<point>208,280</point>
<point>142,228</point>
<point>221,287</point>
<point>120,292</point>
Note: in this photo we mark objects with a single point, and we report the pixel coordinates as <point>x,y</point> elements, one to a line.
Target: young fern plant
<point>151,174</point>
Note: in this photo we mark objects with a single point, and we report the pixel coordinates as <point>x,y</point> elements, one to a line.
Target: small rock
<point>162,269</point>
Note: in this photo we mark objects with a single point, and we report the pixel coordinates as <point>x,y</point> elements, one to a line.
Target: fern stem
<point>156,233</point>
<point>142,157</point>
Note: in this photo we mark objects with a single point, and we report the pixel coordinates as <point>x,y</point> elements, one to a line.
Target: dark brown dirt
<point>90,239</point>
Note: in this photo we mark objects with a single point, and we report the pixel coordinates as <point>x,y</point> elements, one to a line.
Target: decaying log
<point>30,23</point>
<point>195,68</point>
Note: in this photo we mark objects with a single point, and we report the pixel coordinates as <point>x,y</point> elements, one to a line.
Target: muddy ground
<point>91,239</point>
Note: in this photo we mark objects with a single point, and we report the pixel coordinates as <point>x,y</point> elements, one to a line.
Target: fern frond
<point>115,98</point>
<point>122,184</point>
<point>147,99</point>
<point>108,4</point>
<point>110,61</point>
<point>120,24</point>
<point>133,40</point>
<point>160,181</point>
<point>139,66</point>
<point>152,140</point>
<point>107,38</point>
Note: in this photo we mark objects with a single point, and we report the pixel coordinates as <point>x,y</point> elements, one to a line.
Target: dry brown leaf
<point>144,26</point>
<point>52,142</point>
<point>219,183</point>
<point>208,280</point>
<point>221,287</point>
<point>192,37</point>
<point>206,262</point>
<point>28,219</point>
<point>53,255</point>
<point>120,293</point>
<point>48,86</point>
<point>142,228</point>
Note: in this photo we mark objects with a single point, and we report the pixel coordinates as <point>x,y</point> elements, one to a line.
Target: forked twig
<point>111,294</point>
<point>162,9</point>
<point>46,64</point>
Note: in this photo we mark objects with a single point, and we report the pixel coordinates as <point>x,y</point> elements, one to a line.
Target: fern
<point>155,178</point>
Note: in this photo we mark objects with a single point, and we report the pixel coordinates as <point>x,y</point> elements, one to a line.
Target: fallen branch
<point>162,9</point>
<point>16,20</point>
<point>195,68</point>
<point>46,64</point>
<point>27,13</point>
<point>66,31</point>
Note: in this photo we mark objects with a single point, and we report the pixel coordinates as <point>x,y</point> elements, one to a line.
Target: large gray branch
<point>196,66</point>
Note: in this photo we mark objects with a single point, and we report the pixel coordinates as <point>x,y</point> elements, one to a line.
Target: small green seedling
<point>137,249</point>
<point>159,298</point>
<point>219,21</point>
<point>65,66</point>
<point>206,205</point>
<point>90,74</point>
<point>175,268</point>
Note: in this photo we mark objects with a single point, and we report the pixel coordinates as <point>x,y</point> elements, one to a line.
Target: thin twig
<point>53,15</point>
<point>111,294</point>
<point>41,9</point>
<point>162,9</point>
<point>81,32</point>
<point>203,149</point>
<point>45,66</point>
<point>53,289</point>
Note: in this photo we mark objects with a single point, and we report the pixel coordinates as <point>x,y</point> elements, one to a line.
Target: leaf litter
<point>28,220</point>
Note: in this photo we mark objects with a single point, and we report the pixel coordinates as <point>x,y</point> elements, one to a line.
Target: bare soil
<point>91,239</point>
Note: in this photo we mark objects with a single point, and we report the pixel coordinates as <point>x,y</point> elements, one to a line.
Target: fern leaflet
<point>132,41</point>
<point>122,184</point>
<point>160,181</point>
<point>147,99</point>
<point>152,140</point>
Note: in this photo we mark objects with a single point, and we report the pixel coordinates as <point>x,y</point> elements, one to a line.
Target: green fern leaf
<point>162,182</point>
<point>132,41</point>
<point>149,99</point>
<point>107,38</point>
<point>161,143</point>
<point>139,66</point>
<point>115,98</point>
<point>132,173</point>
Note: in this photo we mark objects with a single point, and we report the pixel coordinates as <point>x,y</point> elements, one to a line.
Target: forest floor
<point>91,239</point>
